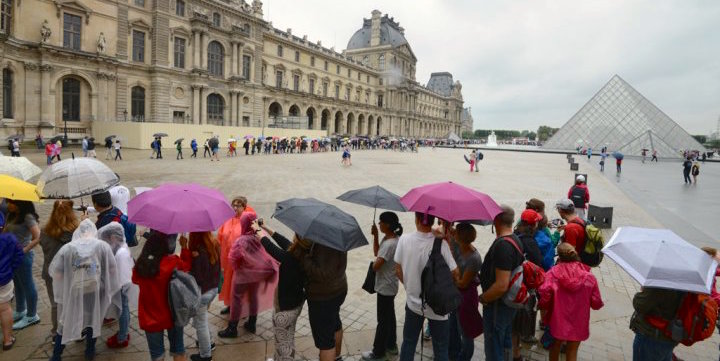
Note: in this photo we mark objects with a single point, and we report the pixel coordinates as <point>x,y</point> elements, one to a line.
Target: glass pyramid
<point>620,118</point>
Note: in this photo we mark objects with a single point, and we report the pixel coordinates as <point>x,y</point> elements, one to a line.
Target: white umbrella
<point>18,167</point>
<point>660,258</point>
<point>74,178</point>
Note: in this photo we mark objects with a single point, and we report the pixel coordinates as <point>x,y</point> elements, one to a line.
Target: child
<point>117,150</point>
<point>178,146</point>
<point>194,146</point>
<point>346,157</point>
<point>466,322</point>
<point>473,156</point>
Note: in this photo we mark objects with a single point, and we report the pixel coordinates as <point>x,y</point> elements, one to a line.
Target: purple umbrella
<point>452,202</point>
<point>178,208</point>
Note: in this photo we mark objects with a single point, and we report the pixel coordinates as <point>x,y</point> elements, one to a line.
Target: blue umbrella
<point>321,223</point>
<point>618,155</point>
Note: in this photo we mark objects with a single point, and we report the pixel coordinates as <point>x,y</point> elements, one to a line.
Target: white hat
<point>580,178</point>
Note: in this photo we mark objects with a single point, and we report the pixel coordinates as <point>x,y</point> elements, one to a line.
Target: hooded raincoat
<point>114,235</point>
<point>568,293</point>
<point>252,265</point>
<point>85,279</point>
<point>227,234</point>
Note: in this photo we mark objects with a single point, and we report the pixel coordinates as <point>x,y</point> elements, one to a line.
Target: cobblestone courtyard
<point>508,177</point>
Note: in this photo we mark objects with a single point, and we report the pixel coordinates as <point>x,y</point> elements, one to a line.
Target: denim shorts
<point>156,342</point>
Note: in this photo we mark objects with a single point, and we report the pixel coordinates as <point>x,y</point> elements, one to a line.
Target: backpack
<point>184,297</point>
<point>524,280</point>
<point>129,227</point>
<point>694,320</point>
<point>152,144</point>
<point>695,170</point>
<point>438,288</point>
<point>480,156</point>
<point>86,272</point>
<point>577,196</point>
<point>592,254</point>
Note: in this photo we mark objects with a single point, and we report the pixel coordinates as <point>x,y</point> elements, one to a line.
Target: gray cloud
<point>526,63</point>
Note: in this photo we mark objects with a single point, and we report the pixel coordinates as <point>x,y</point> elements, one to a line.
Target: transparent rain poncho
<point>84,274</point>
<point>114,234</point>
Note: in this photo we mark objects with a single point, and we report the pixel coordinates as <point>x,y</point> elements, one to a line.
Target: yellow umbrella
<point>16,189</point>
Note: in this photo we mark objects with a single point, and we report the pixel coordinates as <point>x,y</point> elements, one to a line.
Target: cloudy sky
<point>527,63</point>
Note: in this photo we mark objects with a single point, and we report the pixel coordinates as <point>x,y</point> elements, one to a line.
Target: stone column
<point>195,103</point>
<point>203,50</point>
<point>196,49</point>
<point>233,103</point>
<point>233,61</point>
<point>239,103</point>
<point>102,90</point>
<point>203,105</point>
<point>47,105</point>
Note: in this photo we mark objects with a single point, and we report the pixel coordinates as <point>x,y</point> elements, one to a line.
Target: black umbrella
<point>160,135</point>
<point>57,138</point>
<point>320,222</point>
<point>110,138</point>
<point>16,136</point>
<point>376,197</point>
<point>179,140</point>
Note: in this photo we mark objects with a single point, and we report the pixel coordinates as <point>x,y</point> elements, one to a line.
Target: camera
<point>260,222</point>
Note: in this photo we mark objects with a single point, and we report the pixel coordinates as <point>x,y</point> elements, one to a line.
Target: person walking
<point>49,150</point>
<point>206,146</point>
<point>411,256</point>
<point>246,145</point>
<point>227,234</point>
<point>618,166</point>
<point>22,222</point>
<point>91,148</point>
<point>569,292</point>
<point>603,157</point>
<point>114,235</point>
<point>589,153</point>
<point>178,147</point>
<point>214,144</point>
<point>687,167</point>
<point>57,150</point>
<point>85,146</point>
<point>158,147</point>
<point>386,286</point>
<point>695,171</point>
<point>118,146</point>
<point>644,155</point>
<point>654,156</point>
<point>255,277</point>
<point>194,147</point>
<point>152,273</point>
<point>202,252</point>
<point>153,145</point>
<point>11,257</point>
<point>57,232</point>
<point>108,149</point>
<point>84,281</point>
<point>500,260</point>
<point>580,195</point>
<point>15,148</point>
<point>472,160</point>
<point>290,293</point>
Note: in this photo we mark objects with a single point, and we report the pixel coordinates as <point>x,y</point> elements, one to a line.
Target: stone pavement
<point>509,178</point>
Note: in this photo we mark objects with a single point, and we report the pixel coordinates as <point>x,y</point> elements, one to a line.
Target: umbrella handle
<point>374,214</point>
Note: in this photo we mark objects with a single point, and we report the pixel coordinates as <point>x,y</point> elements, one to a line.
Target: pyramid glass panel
<point>622,119</point>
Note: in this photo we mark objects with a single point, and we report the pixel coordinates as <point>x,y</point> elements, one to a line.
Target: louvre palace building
<point>77,64</point>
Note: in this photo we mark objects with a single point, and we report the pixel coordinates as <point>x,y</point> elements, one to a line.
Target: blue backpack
<point>129,227</point>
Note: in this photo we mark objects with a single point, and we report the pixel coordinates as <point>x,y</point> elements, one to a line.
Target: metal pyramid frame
<point>622,119</point>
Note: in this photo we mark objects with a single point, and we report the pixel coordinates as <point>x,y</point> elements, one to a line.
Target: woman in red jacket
<point>152,275</point>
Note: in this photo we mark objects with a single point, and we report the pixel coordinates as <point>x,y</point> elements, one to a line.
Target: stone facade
<point>207,62</point>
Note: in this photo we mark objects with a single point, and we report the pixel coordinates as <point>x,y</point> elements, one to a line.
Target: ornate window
<point>296,83</point>
<point>5,16</point>
<point>278,79</point>
<point>337,69</point>
<point>71,99</point>
<point>179,53</point>
<point>7,87</point>
<point>180,8</point>
<point>312,61</point>
<point>140,3</point>
<point>246,66</point>
<point>138,51</point>
<point>137,104</point>
<point>349,73</point>
<point>297,56</point>
<point>337,92</point>
<point>380,101</point>
<point>216,19</point>
<point>311,86</point>
<point>381,62</point>
<point>326,65</point>
<point>215,109</point>
<point>216,59</point>
<point>325,89</point>
<point>280,51</point>
<point>72,26</point>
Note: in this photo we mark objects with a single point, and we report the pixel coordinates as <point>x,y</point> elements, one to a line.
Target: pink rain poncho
<point>255,275</point>
<point>84,274</point>
<point>114,234</point>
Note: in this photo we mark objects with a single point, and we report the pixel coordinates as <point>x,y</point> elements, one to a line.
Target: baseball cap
<point>565,204</point>
<point>580,178</point>
<point>530,216</point>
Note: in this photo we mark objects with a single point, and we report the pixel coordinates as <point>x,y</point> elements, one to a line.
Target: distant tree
<point>532,135</point>
<point>700,138</point>
<point>714,144</point>
<point>545,132</point>
<point>481,133</point>
<point>468,135</point>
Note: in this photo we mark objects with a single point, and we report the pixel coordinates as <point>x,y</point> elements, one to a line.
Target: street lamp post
<point>65,111</point>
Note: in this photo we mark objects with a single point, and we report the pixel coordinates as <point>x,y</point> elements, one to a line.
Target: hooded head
<point>86,230</point>
<point>114,234</point>
<point>246,221</point>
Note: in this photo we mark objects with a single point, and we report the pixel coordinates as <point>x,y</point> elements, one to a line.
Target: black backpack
<point>577,196</point>
<point>438,288</point>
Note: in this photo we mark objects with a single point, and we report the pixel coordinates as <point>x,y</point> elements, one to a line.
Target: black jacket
<point>532,250</point>
<point>290,289</point>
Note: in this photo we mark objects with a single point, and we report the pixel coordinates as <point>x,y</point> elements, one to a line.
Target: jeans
<point>386,331</point>
<point>200,323</point>
<point>646,348</point>
<point>156,343</point>
<point>25,292</point>
<point>53,306</point>
<point>124,318</point>
<point>460,347</point>
<point>497,323</point>
<point>58,347</point>
<point>686,174</point>
<point>439,330</point>
<point>117,154</point>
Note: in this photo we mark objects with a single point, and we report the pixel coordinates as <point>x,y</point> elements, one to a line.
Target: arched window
<point>137,104</point>
<point>7,89</point>
<point>71,99</point>
<point>216,61</point>
<point>215,109</point>
<point>381,62</point>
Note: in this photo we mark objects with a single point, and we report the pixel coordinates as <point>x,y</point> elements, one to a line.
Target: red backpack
<point>694,321</point>
<point>523,280</point>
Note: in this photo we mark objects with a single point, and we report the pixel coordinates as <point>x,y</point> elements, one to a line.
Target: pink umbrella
<point>452,202</point>
<point>178,208</point>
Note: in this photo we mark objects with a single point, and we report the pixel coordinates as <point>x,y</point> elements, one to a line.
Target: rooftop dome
<point>390,33</point>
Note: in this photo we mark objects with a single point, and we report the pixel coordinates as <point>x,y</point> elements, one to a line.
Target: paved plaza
<point>509,177</point>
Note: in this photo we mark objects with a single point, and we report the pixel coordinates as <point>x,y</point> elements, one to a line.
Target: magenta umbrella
<point>177,208</point>
<point>452,202</point>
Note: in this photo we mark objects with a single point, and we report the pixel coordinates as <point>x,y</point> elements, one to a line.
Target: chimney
<point>375,28</point>
<point>402,30</point>
<point>289,31</point>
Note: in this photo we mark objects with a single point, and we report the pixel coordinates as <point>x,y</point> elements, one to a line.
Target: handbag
<point>369,284</point>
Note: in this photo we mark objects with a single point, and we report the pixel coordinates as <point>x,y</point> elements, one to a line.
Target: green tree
<point>468,135</point>
<point>545,132</point>
<point>700,138</point>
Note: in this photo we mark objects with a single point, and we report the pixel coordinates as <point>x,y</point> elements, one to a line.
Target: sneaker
<point>370,356</point>
<point>393,351</point>
<point>17,316</point>
<point>212,345</point>
<point>113,342</point>
<point>197,357</point>
<point>25,322</point>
